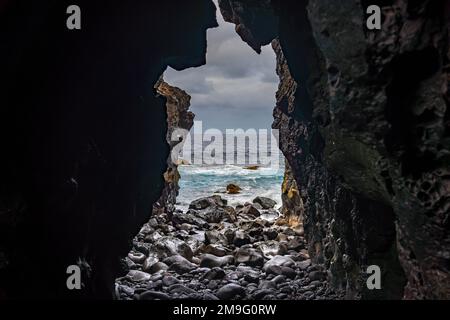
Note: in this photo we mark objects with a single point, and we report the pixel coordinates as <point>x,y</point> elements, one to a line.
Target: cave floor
<point>219,252</point>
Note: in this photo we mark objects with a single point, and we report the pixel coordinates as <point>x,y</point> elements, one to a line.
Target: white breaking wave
<point>202,181</point>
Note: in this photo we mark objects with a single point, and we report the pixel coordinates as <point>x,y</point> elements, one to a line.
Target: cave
<point>84,124</point>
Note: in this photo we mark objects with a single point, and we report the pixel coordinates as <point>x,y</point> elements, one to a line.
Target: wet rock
<point>203,203</point>
<point>185,250</point>
<point>215,274</point>
<point>138,276</point>
<point>269,249</point>
<point>249,256</point>
<point>216,249</point>
<point>179,264</point>
<point>279,279</point>
<point>146,229</point>
<point>279,261</point>
<point>186,227</point>
<point>214,236</point>
<point>229,235</point>
<point>230,215</point>
<point>158,266</point>
<point>180,289</point>
<point>154,285</point>
<point>295,244</point>
<point>191,217</point>
<point>136,257</point>
<point>209,296</point>
<point>233,188</point>
<point>249,274</point>
<point>230,291</point>
<point>270,234</point>
<point>303,265</point>
<point>181,268</point>
<point>169,246</point>
<point>241,238</point>
<point>169,281</point>
<point>281,270</point>
<point>130,265</point>
<point>148,263</point>
<point>260,294</point>
<point>153,237</point>
<point>270,215</point>
<point>213,284</point>
<point>177,259</point>
<point>153,222</point>
<point>249,210</point>
<point>316,275</point>
<point>126,290</point>
<point>211,261</point>
<point>266,203</point>
<point>267,285</point>
<point>196,260</point>
<point>142,247</point>
<point>153,295</point>
<point>215,214</point>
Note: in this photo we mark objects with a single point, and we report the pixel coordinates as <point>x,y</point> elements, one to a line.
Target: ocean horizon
<point>202,180</point>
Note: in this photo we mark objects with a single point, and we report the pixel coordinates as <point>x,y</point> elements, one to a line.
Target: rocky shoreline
<point>215,251</point>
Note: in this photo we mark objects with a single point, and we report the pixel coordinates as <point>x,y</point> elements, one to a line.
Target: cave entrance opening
<point>219,222</point>
<point>231,151</point>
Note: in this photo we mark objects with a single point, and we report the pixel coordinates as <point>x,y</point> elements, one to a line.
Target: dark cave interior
<point>363,119</point>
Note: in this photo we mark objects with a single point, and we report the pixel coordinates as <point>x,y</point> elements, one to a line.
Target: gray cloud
<point>236,88</point>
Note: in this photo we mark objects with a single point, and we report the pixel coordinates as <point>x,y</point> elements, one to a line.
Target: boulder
<point>180,289</point>
<point>176,259</point>
<point>168,246</point>
<point>158,267</point>
<point>169,280</point>
<point>182,268</point>
<point>249,210</point>
<point>214,214</point>
<point>279,261</point>
<point>267,285</point>
<point>296,244</point>
<point>249,256</point>
<point>214,237</point>
<point>191,217</point>
<point>148,263</point>
<point>136,257</point>
<point>269,249</point>
<point>211,261</point>
<point>281,270</point>
<point>266,203</point>
<point>316,275</point>
<point>138,276</point>
<point>153,295</point>
<point>216,249</point>
<point>215,273</point>
<point>260,294</point>
<point>230,291</point>
<point>233,188</point>
<point>270,234</point>
<point>241,238</point>
<point>303,265</point>
<point>203,203</point>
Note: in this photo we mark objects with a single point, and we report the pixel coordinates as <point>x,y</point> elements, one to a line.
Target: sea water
<point>201,180</point>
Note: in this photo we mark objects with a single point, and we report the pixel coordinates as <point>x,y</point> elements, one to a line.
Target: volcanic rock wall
<point>292,208</point>
<point>83,135</point>
<point>178,117</point>
<point>364,124</point>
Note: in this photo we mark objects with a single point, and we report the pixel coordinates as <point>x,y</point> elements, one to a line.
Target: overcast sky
<point>236,88</point>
